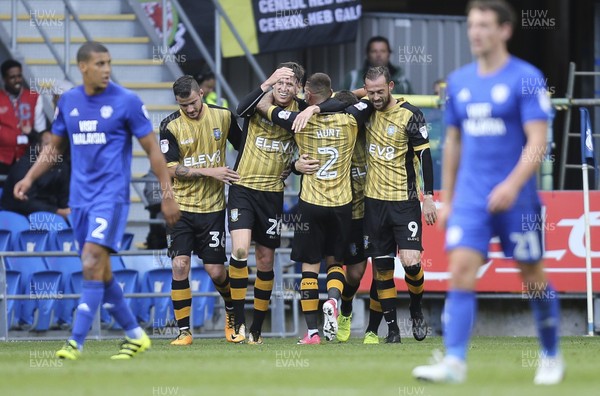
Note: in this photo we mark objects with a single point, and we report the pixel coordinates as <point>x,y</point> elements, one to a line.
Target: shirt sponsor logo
<point>203,160</point>
<point>89,138</point>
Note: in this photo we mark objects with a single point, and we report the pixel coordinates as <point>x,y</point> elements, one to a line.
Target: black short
<point>202,233</point>
<point>355,251</point>
<point>321,231</point>
<point>259,211</point>
<point>391,225</point>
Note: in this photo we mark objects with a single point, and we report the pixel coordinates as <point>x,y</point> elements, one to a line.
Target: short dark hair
<point>319,84</point>
<point>184,86</point>
<point>85,51</point>
<point>374,72</point>
<point>9,64</point>
<point>504,11</point>
<point>296,68</point>
<point>347,97</point>
<point>378,39</point>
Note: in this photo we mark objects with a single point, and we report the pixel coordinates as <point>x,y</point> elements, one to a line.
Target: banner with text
<point>280,25</point>
<point>564,257</point>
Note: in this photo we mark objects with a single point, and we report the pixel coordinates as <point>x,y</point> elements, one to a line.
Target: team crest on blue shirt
<point>234,215</point>
<point>106,111</point>
<point>217,133</point>
<point>391,129</point>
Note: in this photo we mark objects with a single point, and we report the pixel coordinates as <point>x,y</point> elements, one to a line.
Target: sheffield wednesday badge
<point>217,133</point>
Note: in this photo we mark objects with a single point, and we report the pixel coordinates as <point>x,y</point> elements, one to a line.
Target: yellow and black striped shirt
<point>199,144</point>
<point>358,171</point>
<point>266,150</point>
<point>329,138</point>
<point>393,137</point>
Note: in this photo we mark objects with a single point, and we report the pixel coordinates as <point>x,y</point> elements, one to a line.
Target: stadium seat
<point>13,278</point>
<point>127,241</point>
<point>15,223</point>
<point>127,279</point>
<point>33,241</point>
<point>43,284</point>
<point>50,222</point>
<point>35,278</point>
<point>116,263</point>
<point>159,281</point>
<point>65,240</point>
<point>202,306</point>
<point>5,236</point>
<point>142,264</point>
<point>67,266</point>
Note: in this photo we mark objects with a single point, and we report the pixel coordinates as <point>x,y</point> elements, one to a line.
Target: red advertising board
<point>564,256</point>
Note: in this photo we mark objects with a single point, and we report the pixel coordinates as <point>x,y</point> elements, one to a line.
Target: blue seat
<point>48,221</point>
<point>127,279</point>
<point>67,266</point>
<point>5,236</point>
<point>13,279</point>
<point>35,279</point>
<point>15,223</point>
<point>64,241</point>
<point>44,284</point>
<point>142,264</point>
<point>127,241</point>
<point>203,306</point>
<point>33,241</point>
<point>116,263</point>
<point>159,281</point>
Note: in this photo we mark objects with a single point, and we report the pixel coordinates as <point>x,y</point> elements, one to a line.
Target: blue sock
<point>115,304</point>
<point>546,311</point>
<point>91,297</point>
<point>459,317</point>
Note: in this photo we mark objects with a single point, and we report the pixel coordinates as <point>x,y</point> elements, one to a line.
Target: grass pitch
<point>497,366</point>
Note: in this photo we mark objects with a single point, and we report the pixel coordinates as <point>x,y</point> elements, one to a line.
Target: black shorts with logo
<point>355,251</point>
<point>259,211</point>
<point>391,225</point>
<point>321,231</point>
<point>202,233</point>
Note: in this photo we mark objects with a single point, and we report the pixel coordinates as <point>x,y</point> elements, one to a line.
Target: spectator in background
<point>21,116</point>
<point>49,193</point>
<point>378,54</point>
<point>206,80</point>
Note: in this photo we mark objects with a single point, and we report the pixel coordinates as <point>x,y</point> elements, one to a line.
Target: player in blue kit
<point>496,118</point>
<point>98,120</point>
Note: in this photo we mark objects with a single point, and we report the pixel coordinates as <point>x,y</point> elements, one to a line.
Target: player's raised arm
<point>361,111</point>
<point>48,157</point>
<point>234,136</point>
<point>283,118</point>
<point>248,104</point>
<point>169,206</point>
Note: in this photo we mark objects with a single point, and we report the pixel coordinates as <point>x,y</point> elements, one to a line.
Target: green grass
<point>497,366</point>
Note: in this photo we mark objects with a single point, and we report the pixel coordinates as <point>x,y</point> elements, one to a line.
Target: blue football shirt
<point>490,111</point>
<point>99,129</point>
